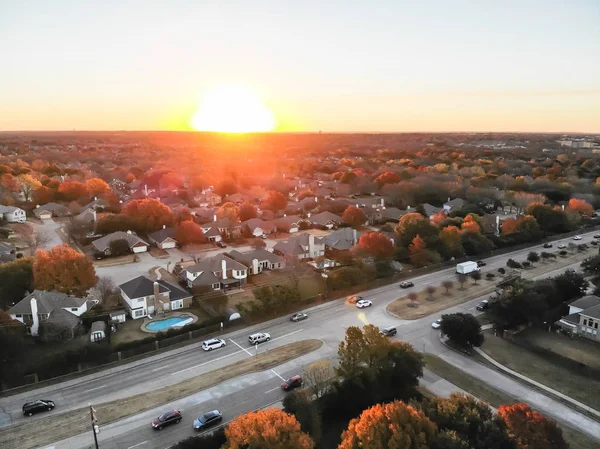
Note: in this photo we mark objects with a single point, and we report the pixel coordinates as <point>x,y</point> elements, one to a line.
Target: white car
<point>562,246</point>
<point>577,237</point>
<point>364,303</point>
<point>437,324</point>
<point>213,343</point>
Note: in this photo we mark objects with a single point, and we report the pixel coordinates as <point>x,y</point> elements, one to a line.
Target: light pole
<point>95,428</point>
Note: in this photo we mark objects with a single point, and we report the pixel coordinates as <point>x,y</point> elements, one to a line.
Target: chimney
<point>563,207</point>
<point>382,202</point>
<point>224,268</point>
<point>37,206</point>
<point>308,215</point>
<point>316,200</point>
<point>311,245</point>
<point>215,217</point>
<point>354,239</point>
<point>254,266</point>
<point>408,207</point>
<point>34,316</point>
<point>129,232</point>
<point>95,198</point>
<point>448,199</point>
<point>285,215</point>
<point>164,226</point>
<point>157,302</point>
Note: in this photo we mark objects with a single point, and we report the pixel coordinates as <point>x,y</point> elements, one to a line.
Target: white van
<point>259,337</point>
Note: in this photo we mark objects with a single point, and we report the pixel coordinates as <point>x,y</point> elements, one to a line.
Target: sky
<point>333,66</point>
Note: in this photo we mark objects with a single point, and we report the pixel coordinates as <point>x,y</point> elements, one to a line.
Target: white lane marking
<point>205,363</point>
<point>272,389</point>
<point>97,388</point>
<point>160,367</point>
<point>287,335</point>
<point>273,371</point>
<point>243,349</point>
<point>136,445</point>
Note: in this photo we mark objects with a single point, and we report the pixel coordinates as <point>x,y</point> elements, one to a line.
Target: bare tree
<point>78,228</point>
<point>448,285</point>
<point>107,287</point>
<point>318,376</point>
<point>34,239</point>
<point>430,292</point>
<point>462,279</point>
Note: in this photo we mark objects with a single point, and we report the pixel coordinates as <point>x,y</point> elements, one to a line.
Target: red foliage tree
<point>509,226</point>
<point>149,214</point>
<point>229,211</point>
<point>43,195</point>
<point>387,178</point>
<point>73,191</point>
<point>581,206</point>
<point>63,269</point>
<point>96,187</point>
<point>189,232</point>
<point>247,211</point>
<point>470,225</point>
<point>376,245</point>
<point>439,218</point>
<point>275,201</point>
<point>354,217</point>
<point>10,183</point>
<point>530,429</point>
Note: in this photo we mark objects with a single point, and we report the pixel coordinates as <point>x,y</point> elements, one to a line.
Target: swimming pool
<point>176,321</point>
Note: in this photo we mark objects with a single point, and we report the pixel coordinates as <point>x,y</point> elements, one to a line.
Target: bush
<point>490,276</point>
<point>212,440</point>
<point>526,264</point>
<point>501,270</point>
<point>563,253</point>
<point>510,263</point>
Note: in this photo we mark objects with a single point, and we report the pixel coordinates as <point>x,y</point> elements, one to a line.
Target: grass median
<point>56,427</point>
<point>495,397</point>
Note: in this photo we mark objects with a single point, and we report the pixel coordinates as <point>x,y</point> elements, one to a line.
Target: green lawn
<point>495,398</point>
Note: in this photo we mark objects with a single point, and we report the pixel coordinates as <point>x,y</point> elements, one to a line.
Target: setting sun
<point>232,109</point>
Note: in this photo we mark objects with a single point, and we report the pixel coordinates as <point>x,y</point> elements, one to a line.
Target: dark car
<point>481,263</point>
<point>388,331</point>
<point>99,256</point>
<point>40,405</point>
<point>166,419</point>
<point>547,245</point>
<point>291,383</point>
<point>483,305</point>
<point>298,317</point>
<point>597,236</point>
<point>594,242</point>
<point>406,284</point>
<point>221,245</point>
<point>207,420</point>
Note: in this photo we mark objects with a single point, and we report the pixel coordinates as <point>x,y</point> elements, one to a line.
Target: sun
<point>232,109</point>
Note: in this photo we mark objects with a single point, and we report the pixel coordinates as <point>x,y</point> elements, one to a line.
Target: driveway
<point>49,228</point>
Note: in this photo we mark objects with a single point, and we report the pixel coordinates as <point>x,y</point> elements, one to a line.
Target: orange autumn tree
<point>451,239</point>
<point>394,425</point>
<point>509,226</point>
<point>149,214</point>
<point>96,187</point>
<point>354,217</point>
<point>63,269</point>
<point>420,256</point>
<point>530,429</point>
<point>387,178</point>
<point>580,206</point>
<point>189,232</point>
<point>229,211</point>
<point>439,218</point>
<point>470,225</point>
<point>73,190</point>
<point>266,429</point>
<point>375,244</point>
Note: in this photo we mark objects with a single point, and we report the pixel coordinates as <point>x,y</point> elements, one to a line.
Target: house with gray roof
<point>219,272</point>
<point>163,238</point>
<point>53,307</point>
<point>217,228</point>
<point>454,204</point>
<point>583,318</point>
<point>341,240</point>
<point>145,297</point>
<point>258,260</point>
<point>301,246</point>
<point>257,227</point>
<point>49,210</point>
<point>136,244</point>
<point>325,220</point>
<point>290,223</point>
<point>7,252</point>
<point>12,214</point>
<point>430,210</point>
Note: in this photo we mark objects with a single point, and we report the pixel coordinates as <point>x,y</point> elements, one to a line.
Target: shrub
<point>563,253</point>
<point>490,276</point>
<point>501,270</point>
<point>526,264</point>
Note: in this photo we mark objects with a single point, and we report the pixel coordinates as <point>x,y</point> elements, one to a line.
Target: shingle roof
<point>342,239</point>
<point>206,278</point>
<point>54,208</point>
<point>213,264</point>
<point>46,302</point>
<point>456,203</point>
<point>431,210</point>
<point>593,311</point>
<point>141,286</point>
<point>254,223</point>
<point>325,217</point>
<point>63,317</point>
<point>259,254</point>
<point>104,242</point>
<point>586,302</point>
<point>393,213</point>
<point>175,291</point>
<point>290,247</point>
<point>162,235</point>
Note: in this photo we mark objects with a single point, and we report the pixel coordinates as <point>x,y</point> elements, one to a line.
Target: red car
<point>291,383</point>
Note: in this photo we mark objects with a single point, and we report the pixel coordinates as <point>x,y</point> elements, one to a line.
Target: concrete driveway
<point>50,228</point>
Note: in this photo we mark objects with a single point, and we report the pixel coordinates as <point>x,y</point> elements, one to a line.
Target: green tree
<point>476,276</point>
<point>570,285</point>
<point>462,329</point>
<point>119,247</point>
<point>533,257</point>
<point>306,411</point>
<point>16,279</point>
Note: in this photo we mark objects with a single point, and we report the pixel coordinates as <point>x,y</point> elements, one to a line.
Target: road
<point>326,322</point>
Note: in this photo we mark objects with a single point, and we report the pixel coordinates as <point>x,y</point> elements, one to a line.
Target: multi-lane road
<point>326,322</point>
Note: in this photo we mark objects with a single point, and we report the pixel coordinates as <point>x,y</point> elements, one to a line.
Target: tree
<point>63,269</point>
<point>258,243</point>
<point>228,211</point>
<point>43,195</point>
<point>591,266</point>
<point>119,247</point>
<point>448,285</point>
<point>570,285</point>
<point>225,187</point>
<point>376,245</point>
<point>531,429</point>
<point>451,240</point>
<point>318,377</point>
<point>351,353</point>
<point>189,232</point>
<point>114,223</point>
<point>462,279</point>
<point>306,410</point>
<point>16,279</point>
<point>10,183</point>
<point>270,428</point>
<point>430,292</point>
<point>581,207</point>
<point>462,329</point>
<point>533,257</point>
<point>394,425</point>
<point>509,225</point>
<point>247,211</point>
<point>148,214</point>
<point>97,187</point>
<point>34,239</point>
<point>28,185</point>
<point>73,191</point>
<point>475,275</point>
<point>407,220</point>
<point>354,217</point>
<point>275,201</point>
<point>106,287</point>
<point>511,263</point>
<point>469,224</point>
<point>387,178</point>
<point>420,256</point>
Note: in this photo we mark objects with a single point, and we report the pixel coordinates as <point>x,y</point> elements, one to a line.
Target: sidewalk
<point>537,384</point>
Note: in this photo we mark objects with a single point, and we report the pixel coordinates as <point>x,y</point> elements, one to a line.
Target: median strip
<point>57,427</point>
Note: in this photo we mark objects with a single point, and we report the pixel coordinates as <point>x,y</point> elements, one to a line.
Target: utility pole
<point>95,428</point>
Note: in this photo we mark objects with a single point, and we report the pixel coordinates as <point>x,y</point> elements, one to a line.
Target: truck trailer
<point>467,267</point>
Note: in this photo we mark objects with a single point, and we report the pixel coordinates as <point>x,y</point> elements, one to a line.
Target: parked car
<point>298,317</point>
<point>437,323</point>
<point>213,343</point>
<point>166,419</point>
<point>547,245</point>
<point>483,305</point>
<point>597,236</point>
<point>40,405</point>
<point>364,303</point>
<point>291,383</point>
<point>481,263</point>
<point>388,331</point>
<point>561,246</point>
<point>354,299</point>
<point>259,337</point>
<point>577,237</point>
<point>406,284</point>
<point>221,245</point>
<point>207,420</point>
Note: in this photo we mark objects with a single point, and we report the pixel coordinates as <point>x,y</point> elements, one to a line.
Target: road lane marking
<point>273,371</point>
<point>287,335</point>
<point>97,388</point>
<point>136,445</point>
<point>243,349</point>
<point>160,367</point>
<point>272,389</point>
<point>205,363</point>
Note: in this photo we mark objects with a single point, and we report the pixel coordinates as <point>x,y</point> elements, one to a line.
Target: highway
<point>326,322</point>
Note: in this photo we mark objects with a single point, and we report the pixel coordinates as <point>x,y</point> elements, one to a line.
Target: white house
<point>13,214</point>
<point>145,297</point>
<point>302,246</point>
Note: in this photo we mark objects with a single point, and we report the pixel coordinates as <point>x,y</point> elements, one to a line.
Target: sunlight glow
<point>232,109</point>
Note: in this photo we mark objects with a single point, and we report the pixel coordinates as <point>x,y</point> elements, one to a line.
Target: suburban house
<point>7,252</point>
<point>341,240</point>
<point>145,297</point>
<point>259,260</point>
<point>164,238</point>
<point>238,198</point>
<point>583,318</point>
<point>431,211</point>
<point>202,215</point>
<point>290,223</point>
<point>455,204</point>
<point>257,227</point>
<point>302,246</point>
<point>98,331</point>
<point>47,211</point>
<point>326,219</point>
<point>308,203</point>
<point>207,198</point>
<point>214,230</point>
<point>393,214</point>
<point>220,272</point>
<point>48,307</point>
<point>12,214</point>
<point>491,224</point>
<point>97,204</point>
<point>87,215</point>
<point>136,244</point>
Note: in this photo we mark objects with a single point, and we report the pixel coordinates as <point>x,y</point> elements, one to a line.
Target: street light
<point>95,427</point>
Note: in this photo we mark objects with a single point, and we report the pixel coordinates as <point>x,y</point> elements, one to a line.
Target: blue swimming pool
<point>176,321</point>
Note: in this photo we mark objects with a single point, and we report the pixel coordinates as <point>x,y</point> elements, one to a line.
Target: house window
<point>585,322</point>
<point>178,304</point>
<point>596,325</point>
<point>18,315</point>
<point>74,309</point>
<point>138,313</point>
<point>215,286</point>
<point>43,316</point>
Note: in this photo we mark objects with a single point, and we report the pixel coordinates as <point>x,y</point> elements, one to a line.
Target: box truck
<point>467,267</point>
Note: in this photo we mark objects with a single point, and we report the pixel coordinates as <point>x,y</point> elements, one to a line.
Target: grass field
<point>495,398</point>
<point>60,426</point>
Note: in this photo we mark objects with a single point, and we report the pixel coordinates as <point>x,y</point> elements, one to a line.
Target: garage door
<point>292,230</point>
<point>168,245</point>
<point>140,249</point>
